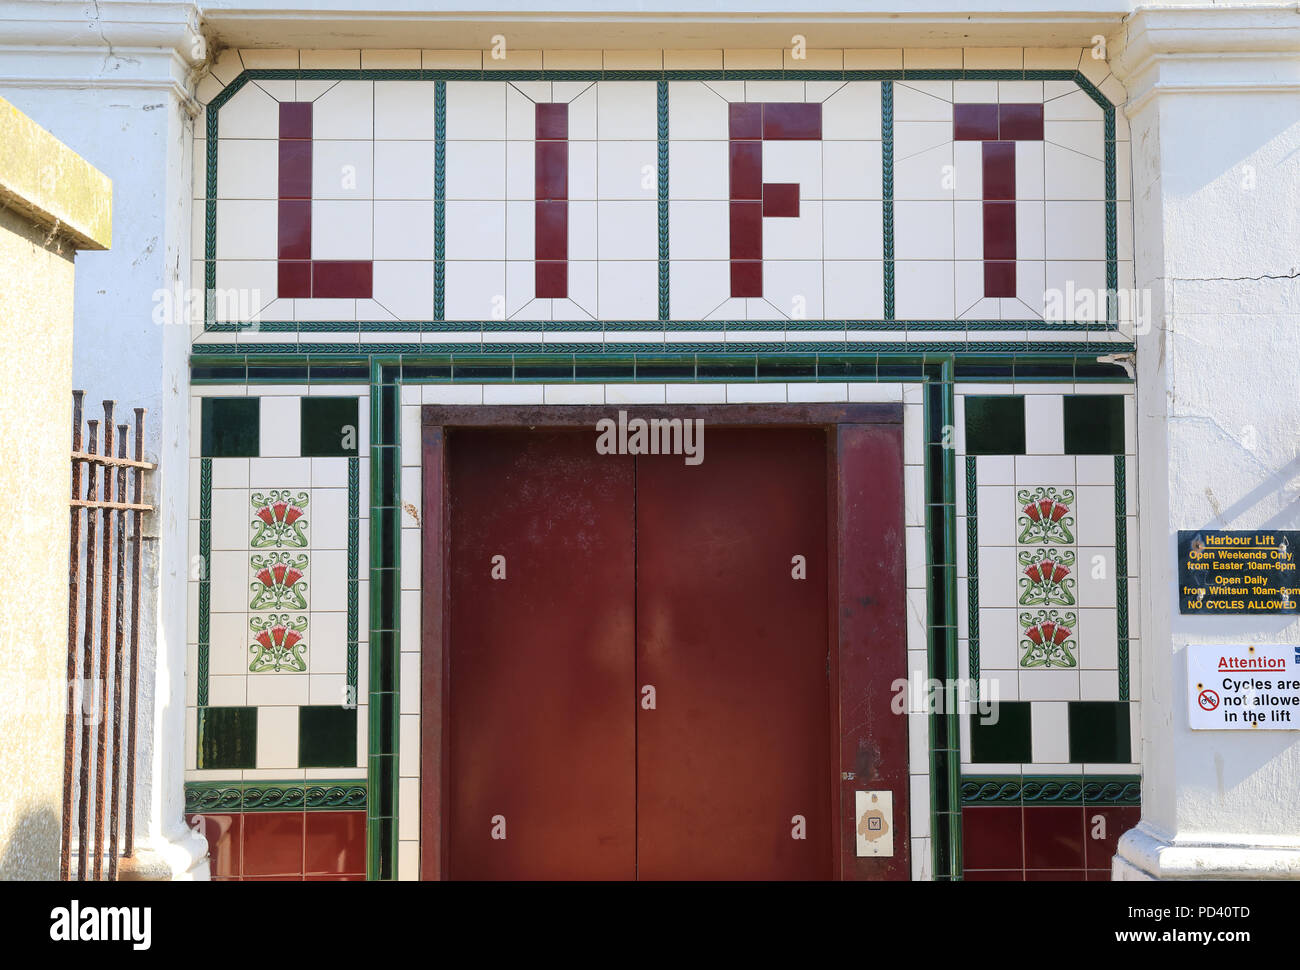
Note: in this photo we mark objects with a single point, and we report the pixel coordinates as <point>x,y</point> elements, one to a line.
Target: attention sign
<point>1243,687</point>
<point>1238,572</point>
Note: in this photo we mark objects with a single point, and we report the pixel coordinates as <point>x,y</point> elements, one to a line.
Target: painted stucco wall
<point>44,188</point>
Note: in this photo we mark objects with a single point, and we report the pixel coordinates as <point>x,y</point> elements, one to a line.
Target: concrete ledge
<point>51,184</point>
<point>1142,854</point>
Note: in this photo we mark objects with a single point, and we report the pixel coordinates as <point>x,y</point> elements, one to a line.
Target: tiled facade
<point>440,227</point>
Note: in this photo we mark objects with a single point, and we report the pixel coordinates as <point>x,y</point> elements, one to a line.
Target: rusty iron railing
<point>105,661</point>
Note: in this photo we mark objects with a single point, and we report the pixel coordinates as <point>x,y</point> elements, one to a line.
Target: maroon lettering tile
<point>974,122</point>
<point>1020,122</point>
<point>551,230</point>
<point>552,279</point>
<point>294,280</point>
<point>1000,279</point>
<point>342,278</point>
<point>746,230</point>
<point>746,278</point>
<point>551,179</point>
<point>552,122</point>
<point>1054,837</point>
<point>992,837</point>
<point>999,164</point>
<point>273,844</point>
<point>999,230</point>
<point>781,199</point>
<point>335,843</point>
<point>295,169</point>
<point>295,119</point>
<point>295,229</point>
<point>792,121</point>
<point>747,170</point>
<point>745,120</point>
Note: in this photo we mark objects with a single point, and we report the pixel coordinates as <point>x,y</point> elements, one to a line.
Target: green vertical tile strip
<point>385,644</point>
<point>664,302</point>
<point>439,199</point>
<point>973,576</point>
<point>354,544</point>
<point>1112,221</point>
<point>945,744</point>
<point>887,190</point>
<point>210,216</point>
<point>205,580</point>
<point>1121,574</point>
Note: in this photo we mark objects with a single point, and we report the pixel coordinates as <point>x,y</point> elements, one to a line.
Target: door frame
<point>866,593</point>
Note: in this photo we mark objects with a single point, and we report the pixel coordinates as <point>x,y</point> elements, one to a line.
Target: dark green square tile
<point>1007,739</point>
<point>1094,424</point>
<point>1099,732</point>
<point>227,737</point>
<point>995,424</point>
<point>330,427</point>
<point>231,427</point>
<point>327,737</point>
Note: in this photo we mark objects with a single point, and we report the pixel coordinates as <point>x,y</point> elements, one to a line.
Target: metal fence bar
<point>106,830</point>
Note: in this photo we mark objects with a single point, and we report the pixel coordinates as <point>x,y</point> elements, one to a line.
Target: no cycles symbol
<point>1208,700</point>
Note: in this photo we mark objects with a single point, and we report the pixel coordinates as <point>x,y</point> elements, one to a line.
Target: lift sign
<point>1238,572</point>
<point>1241,687</point>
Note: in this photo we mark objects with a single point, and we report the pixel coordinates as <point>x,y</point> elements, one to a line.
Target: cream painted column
<point>1215,115</point>
<point>113,81</point>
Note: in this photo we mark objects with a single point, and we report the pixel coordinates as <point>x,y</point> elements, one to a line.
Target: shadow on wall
<point>32,850</point>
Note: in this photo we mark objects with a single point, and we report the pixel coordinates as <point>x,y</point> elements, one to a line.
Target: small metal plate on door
<point>874,815</point>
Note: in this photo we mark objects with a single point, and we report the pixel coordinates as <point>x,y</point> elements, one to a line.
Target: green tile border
<point>275,796</point>
<point>205,581</point>
<point>354,544</point>
<point>1051,789</point>
<point>973,577</point>
<point>1122,571</point>
<point>662,77</point>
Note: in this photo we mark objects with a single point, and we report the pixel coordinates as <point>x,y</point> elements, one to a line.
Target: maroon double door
<point>638,670</point>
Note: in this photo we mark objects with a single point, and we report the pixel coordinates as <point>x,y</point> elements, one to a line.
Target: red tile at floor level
<point>273,844</point>
<point>1103,825</point>
<point>746,278</point>
<point>1054,837</point>
<point>342,278</point>
<point>974,122</point>
<point>335,843</point>
<point>1097,875</point>
<point>1054,875</point>
<point>781,200</point>
<point>991,837</point>
<point>993,875</point>
<point>272,879</point>
<point>224,836</point>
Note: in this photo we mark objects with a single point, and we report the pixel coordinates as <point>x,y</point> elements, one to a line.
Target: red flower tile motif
<point>279,519</point>
<point>1048,639</point>
<point>279,582</point>
<point>1046,579</point>
<point>1045,515</point>
<point>278,643</point>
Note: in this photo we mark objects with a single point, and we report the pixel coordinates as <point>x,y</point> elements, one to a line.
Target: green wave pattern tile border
<point>275,796</point>
<point>1051,789</point>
